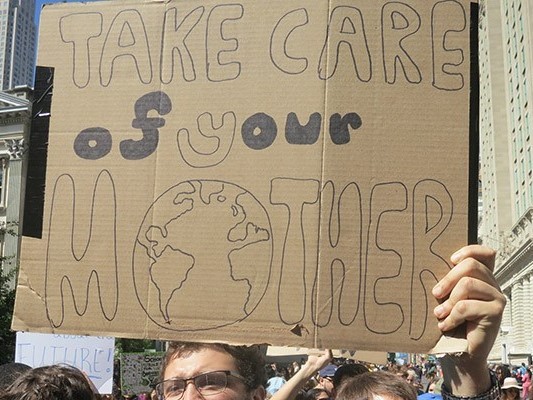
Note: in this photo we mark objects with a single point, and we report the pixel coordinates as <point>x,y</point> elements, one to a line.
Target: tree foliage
<point>7,303</point>
<point>133,345</point>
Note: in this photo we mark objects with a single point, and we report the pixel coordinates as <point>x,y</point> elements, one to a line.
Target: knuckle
<point>470,266</point>
<point>502,302</point>
<point>461,307</point>
<point>466,284</point>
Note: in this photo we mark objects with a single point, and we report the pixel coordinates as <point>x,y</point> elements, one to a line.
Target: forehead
<point>193,363</point>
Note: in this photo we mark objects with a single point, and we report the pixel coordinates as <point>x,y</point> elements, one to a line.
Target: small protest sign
<point>92,355</point>
<point>139,372</point>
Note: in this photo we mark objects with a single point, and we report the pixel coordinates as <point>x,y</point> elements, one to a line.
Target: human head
<point>511,389</point>
<point>325,378</point>
<point>193,358</point>
<point>502,372</point>
<point>58,382</point>
<point>410,376</point>
<point>370,385</point>
<point>11,371</point>
<point>347,371</point>
<point>318,394</point>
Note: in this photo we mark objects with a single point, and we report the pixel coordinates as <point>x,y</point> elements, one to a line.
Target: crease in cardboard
<point>316,336</point>
<point>29,287</point>
<point>147,320</point>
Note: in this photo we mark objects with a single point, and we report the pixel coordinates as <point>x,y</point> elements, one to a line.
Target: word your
<point>125,41</point>
<point>258,132</point>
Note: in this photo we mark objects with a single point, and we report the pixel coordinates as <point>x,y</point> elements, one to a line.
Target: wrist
<point>465,375</point>
<point>307,371</point>
<point>493,393</point>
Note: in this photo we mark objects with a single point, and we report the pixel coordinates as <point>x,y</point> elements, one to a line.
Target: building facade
<point>17,43</point>
<point>15,122</point>
<point>506,95</point>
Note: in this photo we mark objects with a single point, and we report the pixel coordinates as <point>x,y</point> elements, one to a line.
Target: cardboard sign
<point>139,372</point>
<point>285,172</point>
<point>93,355</point>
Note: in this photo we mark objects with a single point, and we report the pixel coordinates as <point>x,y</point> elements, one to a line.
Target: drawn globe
<point>203,255</point>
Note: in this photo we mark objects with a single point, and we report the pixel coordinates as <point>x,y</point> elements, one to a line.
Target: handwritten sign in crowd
<point>92,355</point>
<point>139,372</point>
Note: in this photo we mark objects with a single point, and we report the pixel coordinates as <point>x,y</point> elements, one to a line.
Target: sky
<point>39,4</point>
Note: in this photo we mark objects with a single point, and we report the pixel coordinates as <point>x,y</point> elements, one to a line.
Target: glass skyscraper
<point>17,43</point>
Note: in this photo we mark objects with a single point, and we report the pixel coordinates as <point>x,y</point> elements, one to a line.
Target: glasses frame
<point>159,385</point>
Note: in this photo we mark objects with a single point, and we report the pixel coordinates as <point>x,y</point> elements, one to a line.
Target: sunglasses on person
<point>207,384</point>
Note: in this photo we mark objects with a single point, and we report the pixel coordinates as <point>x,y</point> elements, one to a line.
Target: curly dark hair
<point>249,359</point>
<point>11,371</point>
<point>58,382</point>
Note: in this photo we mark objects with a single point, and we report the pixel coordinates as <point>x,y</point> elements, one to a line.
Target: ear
<point>259,393</point>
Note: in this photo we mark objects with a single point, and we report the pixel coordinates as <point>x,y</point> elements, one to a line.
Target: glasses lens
<point>211,383</point>
<point>171,389</point>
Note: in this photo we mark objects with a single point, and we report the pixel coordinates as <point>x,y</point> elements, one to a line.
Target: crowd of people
<point>468,296</point>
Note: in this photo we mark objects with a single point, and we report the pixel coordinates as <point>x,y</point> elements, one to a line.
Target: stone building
<point>506,90</point>
<point>15,119</point>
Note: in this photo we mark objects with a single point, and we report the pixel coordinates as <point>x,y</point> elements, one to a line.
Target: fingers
<point>469,292</point>
<point>471,300</point>
<point>483,254</point>
<point>467,266</point>
<point>317,361</point>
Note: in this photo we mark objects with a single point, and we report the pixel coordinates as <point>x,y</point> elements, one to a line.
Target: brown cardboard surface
<point>283,172</point>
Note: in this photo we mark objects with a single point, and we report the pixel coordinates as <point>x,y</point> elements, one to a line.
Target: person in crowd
<point>219,371</point>
<point>511,389</point>
<point>54,382</point>
<point>295,367</point>
<point>411,378</point>
<point>431,387</point>
<point>429,396</point>
<point>325,378</point>
<point>9,372</point>
<point>526,384</point>
<point>307,371</point>
<point>347,371</point>
<point>275,381</point>
<point>502,372</point>
<point>381,385</point>
<point>468,294</point>
<point>318,393</point>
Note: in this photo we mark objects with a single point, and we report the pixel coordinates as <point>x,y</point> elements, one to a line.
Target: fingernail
<point>441,325</point>
<point>456,257</point>
<point>438,311</point>
<point>437,291</point>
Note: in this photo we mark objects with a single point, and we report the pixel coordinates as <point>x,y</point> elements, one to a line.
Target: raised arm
<point>314,364</point>
<point>471,296</point>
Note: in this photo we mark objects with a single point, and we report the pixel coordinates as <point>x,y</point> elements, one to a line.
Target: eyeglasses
<point>207,384</point>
